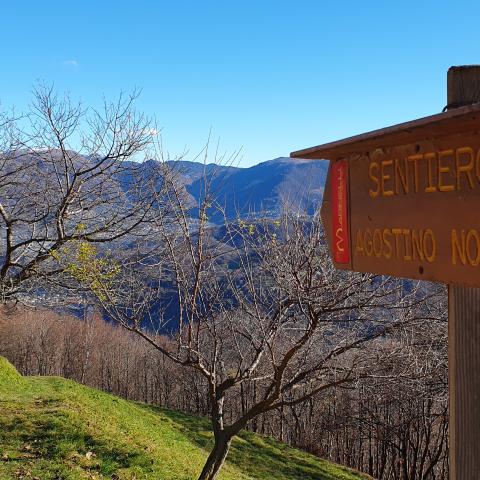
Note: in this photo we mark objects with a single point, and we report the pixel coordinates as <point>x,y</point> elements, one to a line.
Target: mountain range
<point>262,190</point>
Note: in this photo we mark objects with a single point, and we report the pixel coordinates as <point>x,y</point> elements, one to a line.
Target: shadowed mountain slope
<point>267,188</point>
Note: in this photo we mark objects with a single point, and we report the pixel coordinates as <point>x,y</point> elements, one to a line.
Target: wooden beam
<point>464,329</point>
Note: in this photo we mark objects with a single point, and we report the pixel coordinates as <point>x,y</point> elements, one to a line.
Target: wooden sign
<point>405,200</point>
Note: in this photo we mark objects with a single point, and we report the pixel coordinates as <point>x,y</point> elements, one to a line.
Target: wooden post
<point>463,85</point>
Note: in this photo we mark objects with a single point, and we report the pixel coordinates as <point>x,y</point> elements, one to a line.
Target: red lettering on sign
<point>340,233</point>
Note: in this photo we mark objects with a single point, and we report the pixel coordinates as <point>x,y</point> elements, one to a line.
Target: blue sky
<point>266,76</point>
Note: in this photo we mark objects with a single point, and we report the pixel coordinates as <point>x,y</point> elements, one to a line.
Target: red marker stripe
<point>340,233</point>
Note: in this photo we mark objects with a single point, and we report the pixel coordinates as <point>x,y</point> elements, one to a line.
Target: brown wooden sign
<point>405,201</point>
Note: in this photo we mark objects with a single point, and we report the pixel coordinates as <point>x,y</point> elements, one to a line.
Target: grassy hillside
<point>55,429</point>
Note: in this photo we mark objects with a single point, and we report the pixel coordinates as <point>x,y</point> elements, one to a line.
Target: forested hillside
<point>52,429</point>
<point>378,427</point>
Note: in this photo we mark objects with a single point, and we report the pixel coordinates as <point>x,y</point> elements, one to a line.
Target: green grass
<point>55,429</point>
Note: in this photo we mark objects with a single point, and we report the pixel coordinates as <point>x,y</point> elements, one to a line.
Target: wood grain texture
<point>464,330</point>
<point>463,84</point>
<point>464,373</point>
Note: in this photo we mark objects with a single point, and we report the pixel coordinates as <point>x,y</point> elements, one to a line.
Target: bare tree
<point>68,175</point>
<point>391,427</point>
<point>261,306</point>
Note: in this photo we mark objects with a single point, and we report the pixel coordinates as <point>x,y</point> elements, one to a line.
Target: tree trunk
<point>216,458</point>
